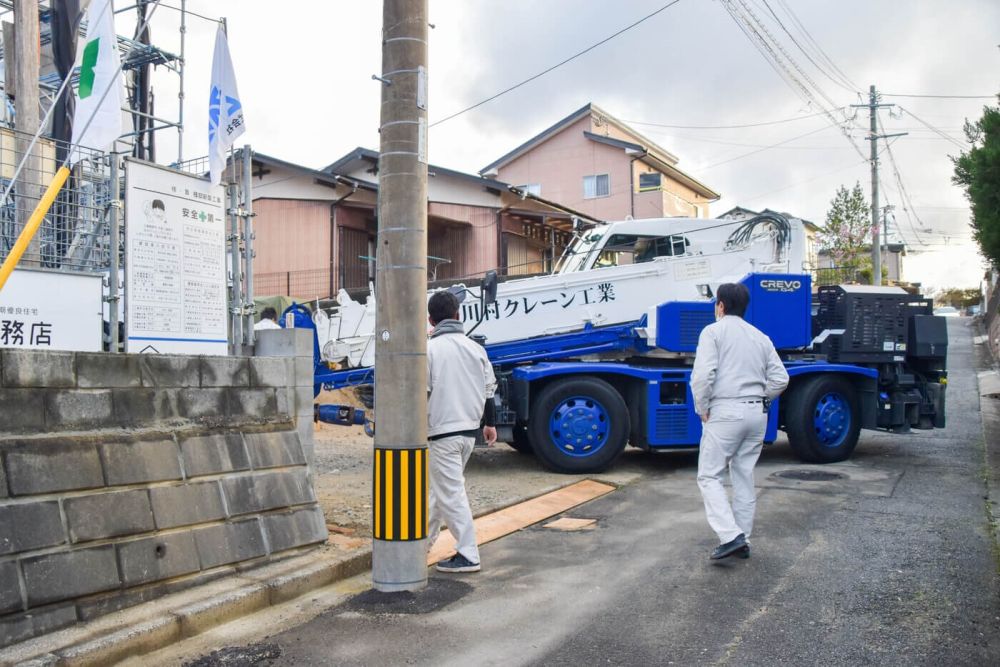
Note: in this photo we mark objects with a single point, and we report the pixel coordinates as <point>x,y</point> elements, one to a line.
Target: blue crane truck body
<point>857,357</point>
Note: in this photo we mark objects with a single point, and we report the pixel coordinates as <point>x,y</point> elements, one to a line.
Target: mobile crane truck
<point>598,355</point>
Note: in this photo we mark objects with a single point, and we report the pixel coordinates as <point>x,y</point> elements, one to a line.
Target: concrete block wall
<point>126,477</point>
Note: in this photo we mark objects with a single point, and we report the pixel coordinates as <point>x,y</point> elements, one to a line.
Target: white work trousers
<point>447,500</point>
<point>732,438</point>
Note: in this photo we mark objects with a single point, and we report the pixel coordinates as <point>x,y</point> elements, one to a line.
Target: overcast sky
<point>304,71</point>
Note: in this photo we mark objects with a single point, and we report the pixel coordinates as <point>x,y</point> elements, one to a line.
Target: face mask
<point>718,313</point>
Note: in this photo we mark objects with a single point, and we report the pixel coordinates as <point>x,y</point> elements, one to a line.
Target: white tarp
<point>48,310</point>
<point>175,247</point>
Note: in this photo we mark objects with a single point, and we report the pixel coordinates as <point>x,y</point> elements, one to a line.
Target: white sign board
<point>175,250</point>
<point>48,310</point>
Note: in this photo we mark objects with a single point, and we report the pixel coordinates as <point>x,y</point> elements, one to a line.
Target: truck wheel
<point>521,442</point>
<point>822,419</point>
<point>578,425</point>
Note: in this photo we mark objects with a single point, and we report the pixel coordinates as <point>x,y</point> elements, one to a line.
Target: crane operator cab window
<point>622,249</point>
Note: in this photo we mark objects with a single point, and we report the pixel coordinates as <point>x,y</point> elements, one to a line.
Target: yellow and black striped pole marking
<point>400,495</point>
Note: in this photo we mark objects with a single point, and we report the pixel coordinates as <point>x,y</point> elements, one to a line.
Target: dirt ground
<point>496,476</point>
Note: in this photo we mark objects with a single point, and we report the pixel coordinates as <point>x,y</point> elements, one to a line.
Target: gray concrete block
<point>305,371</point>
<point>274,449</point>
<point>307,436</point>
<point>10,588</point>
<point>225,372</point>
<point>105,515</point>
<point>211,454</point>
<point>284,343</point>
<point>186,504</point>
<point>304,400</point>
<point>229,543</point>
<point>69,409</point>
<point>284,408</point>
<point>144,408</point>
<point>205,405</point>
<point>70,574</point>
<point>256,405</point>
<point>25,526</point>
<point>134,462</point>
<point>4,493</point>
<point>157,558</point>
<point>23,410</point>
<point>31,368</point>
<point>267,491</point>
<point>269,372</point>
<point>104,370</point>
<point>96,606</point>
<point>169,370</point>
<point>44,467</point>
<point>295,529</point>
<point>26,625</point>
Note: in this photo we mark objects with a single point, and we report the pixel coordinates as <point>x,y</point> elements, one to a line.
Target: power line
<point>940,133</point>
<point>815,44</point>
<point>764,148</point>
<point>732,127</point>
<point>557,65</point>
<point>808,56</point>
<point>943,97</point>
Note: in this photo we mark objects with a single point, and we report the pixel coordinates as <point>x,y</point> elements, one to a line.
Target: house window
<point>648,182</point>
<point>531,188</point>
<point>598,185</point>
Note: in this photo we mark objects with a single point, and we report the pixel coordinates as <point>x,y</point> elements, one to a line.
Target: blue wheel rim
<point>579,426</point>
<point>832,419</point>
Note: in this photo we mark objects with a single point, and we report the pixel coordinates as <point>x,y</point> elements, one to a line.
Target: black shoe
<point>744,552</point>
<point>729,548</point>
<point>457,563</point>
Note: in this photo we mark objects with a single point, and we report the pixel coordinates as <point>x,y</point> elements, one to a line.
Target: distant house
<point>596,164</point>
<point>812,255</point>
<point>892,264</point>
<point>316,228</point>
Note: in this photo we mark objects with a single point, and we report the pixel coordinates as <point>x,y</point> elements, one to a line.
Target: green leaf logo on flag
<point>87,74</point>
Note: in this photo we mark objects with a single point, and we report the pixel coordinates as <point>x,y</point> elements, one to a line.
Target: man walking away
<point>460,383</point>
<point>736,375</point>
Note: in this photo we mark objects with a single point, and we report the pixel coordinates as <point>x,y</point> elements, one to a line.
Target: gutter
<point>333,233</point>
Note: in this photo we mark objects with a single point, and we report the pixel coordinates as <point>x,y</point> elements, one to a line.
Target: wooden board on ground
<point>506,521</point>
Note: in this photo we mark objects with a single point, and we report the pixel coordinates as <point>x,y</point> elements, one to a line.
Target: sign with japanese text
<point>49,310</point>
<point>175,246</point>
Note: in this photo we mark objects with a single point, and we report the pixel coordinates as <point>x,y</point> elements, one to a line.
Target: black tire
<point>521,443</point>
<point>822,419</point>
<point>600,412</point>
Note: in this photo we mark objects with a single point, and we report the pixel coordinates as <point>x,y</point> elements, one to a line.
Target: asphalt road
<point>889,563</point>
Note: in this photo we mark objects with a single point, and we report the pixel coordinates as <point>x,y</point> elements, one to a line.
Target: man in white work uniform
<point>736,375</point>
<point>460,382</point>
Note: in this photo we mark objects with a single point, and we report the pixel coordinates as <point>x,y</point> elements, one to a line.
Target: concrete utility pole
<point>399,555</point>
<point>26,116</point>
<point>873,136</point>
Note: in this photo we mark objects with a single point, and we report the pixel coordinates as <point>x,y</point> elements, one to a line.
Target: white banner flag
<point>225,112</point>
<point>97,121</point>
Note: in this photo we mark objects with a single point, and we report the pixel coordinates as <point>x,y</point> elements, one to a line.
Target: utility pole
<point>26,116</point>
<point>873,136</point>
<point>399,554</point>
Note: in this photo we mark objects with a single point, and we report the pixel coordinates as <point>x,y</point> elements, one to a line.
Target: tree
<point>977,171</point>
<point>847,235</point>
<point>958,297</point>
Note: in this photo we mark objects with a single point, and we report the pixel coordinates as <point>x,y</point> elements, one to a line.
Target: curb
<point>157,624</point>
<point>989,411</point>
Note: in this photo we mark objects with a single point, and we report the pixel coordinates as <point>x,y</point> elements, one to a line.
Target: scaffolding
<point>137,55</point>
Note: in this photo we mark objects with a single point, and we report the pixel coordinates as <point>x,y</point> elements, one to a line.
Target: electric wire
<point>815,44</point>
<point>961,144</point>
<point>944,97</point>
<point>731,127</point>
<point>556,66</point>
<point>846,86</point>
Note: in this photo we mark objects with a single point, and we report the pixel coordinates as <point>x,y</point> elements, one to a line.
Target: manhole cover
<point>811,475</point>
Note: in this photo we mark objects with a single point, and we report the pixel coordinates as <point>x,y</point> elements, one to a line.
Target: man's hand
<point>490,434</point>
<point>704,417</point>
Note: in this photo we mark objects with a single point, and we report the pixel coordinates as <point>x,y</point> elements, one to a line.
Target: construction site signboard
<point>175,272</point>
